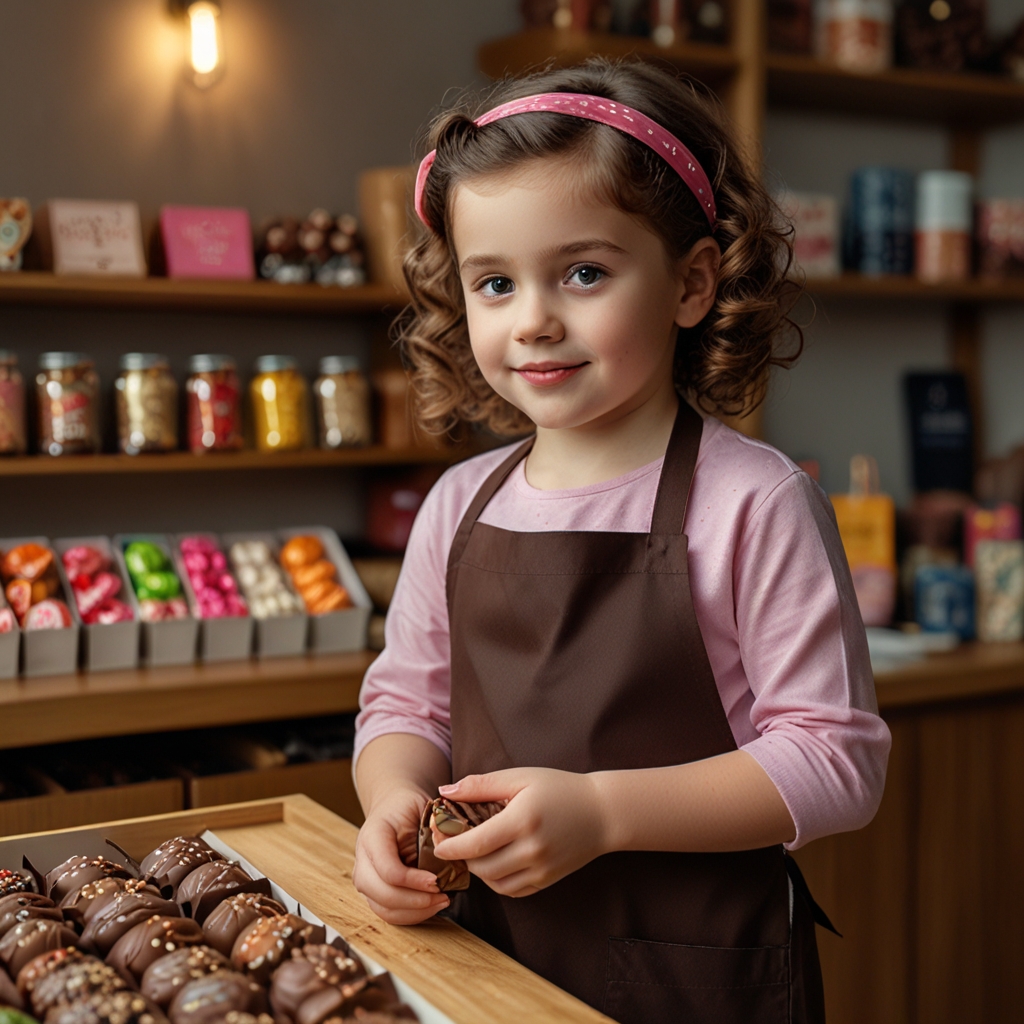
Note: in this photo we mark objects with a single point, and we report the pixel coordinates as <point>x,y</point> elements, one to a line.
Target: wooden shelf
<point>88,705</point>
<point>161,293</point>
<point>515,54</point>
<point>969,100</point>
<point>859,286</point>
<point>185,462</point>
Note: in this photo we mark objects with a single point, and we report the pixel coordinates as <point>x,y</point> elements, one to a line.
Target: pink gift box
<point>207,241</point>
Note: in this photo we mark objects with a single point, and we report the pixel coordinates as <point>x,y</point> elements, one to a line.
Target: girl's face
<point>572,305</point>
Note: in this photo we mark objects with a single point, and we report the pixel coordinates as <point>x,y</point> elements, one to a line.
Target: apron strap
<point>800,887</point>
<point>483,496</point>
<point>677,471</point>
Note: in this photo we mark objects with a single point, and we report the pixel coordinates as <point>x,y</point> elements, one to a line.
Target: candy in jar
<point>262,580</point>
<point>95,586</point>
<point>147,404</point>
<point>67,396</point>
<point>342,403</point>
<point>280,405</point>
<point>12,406</point>
<point>314,576</point>
<point>214,405</point>
<point>214,587</point>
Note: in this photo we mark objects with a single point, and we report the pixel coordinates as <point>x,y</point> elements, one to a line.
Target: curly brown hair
<point>725,360</point>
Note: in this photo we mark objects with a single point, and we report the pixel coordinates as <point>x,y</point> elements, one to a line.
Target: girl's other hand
<point>552,826</point>
<point>385,848</point>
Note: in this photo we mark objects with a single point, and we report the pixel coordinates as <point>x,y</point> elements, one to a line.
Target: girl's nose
<point>536,320</point>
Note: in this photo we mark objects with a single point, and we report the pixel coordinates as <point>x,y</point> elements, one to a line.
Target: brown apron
<point>582,652</point>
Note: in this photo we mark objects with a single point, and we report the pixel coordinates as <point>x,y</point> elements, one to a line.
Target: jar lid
<point>143,361</point>
<point>339,364</point>
<point>268,364</point>
<point>62,360</point>
<point>210,363</point>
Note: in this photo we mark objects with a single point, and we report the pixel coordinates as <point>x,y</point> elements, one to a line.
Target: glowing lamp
<point>205,40</point>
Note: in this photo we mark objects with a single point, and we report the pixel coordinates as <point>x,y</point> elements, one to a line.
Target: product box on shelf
<point>47,652</point>
<point>169,641</point>
<point>276,636</point>
<point>223,638</point>
<point>344,630</point>
<point>105,646</point>
<point>10,641</point>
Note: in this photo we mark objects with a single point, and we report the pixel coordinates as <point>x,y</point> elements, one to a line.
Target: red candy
<point>83,561</point>
<point>105,586</point>
<point>48,614</point>
<point>215,589</point>
<point>109,612</point>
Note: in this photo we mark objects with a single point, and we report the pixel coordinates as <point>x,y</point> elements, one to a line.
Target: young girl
<point>638,628</point>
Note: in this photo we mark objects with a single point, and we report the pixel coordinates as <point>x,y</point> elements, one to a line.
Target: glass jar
<point>12,406</point>
<point>214,407</point>
<point>280,405</point>
<point>67,396</point>
<point>146,396</point>
<point>342,403</point>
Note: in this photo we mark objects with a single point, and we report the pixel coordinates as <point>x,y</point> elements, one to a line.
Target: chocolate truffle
<point>147,942</point>
<point>76,871</point>
<point>72,980</point>
<point>218,876</point>
<point>208,1000</point>
<point>80,904</point>
<point>121,1007</point>
<point>121,915</point>
<point>229,919</point>
<point>44,964</point>
<point>268,941</point>
<point>170,862</point>
<point>16,881</point>
<point>27,940</point>
<point>9,994</point>
<point>21,906</point>
<point>164,977</point>
<point>310,969</point>
<point>355,999</point>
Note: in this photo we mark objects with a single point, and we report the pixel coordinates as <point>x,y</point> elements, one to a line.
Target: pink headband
<point>605,111</point>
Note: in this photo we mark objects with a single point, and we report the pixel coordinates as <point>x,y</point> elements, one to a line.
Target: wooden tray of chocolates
<point>291,850</point>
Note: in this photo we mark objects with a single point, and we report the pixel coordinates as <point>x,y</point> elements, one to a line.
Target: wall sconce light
<point>206,41</point>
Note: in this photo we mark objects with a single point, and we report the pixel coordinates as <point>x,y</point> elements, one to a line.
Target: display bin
<point>110,646</point>
<point>344,630</point>
<point>47,652</point>
<point>283,635</point>
<point>308,852</point>
<point>225,639</point>
<point>163,643</point>
<point>10,647</point>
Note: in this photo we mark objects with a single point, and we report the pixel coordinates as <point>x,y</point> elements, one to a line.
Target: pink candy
<point>95,587</point>
<point>48,614</point>
<point>215,590</point>
<point>109,612</point>
<point>163,611</point>
<point>83,561</point>
<point>105,585</point>
<point>6,620</point>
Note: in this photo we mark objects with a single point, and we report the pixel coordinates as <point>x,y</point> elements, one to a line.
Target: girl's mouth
<point>546,375</point>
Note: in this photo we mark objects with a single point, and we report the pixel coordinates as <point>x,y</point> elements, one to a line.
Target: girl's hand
<point>385,847</point>
<point>553,825</point>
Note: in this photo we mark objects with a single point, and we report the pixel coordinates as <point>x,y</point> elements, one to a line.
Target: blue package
<point>880,221</point>
<point>944,599</point>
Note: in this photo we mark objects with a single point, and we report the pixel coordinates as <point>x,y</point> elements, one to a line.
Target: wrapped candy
<point>49,614</point>
<point>262,580</point>
<point>215,590</point>
<point>155,582</point>
<point>314,575</point>
<point>6,620</point>
<point>95,586</point>
<point>449,818</point>
<point>30,577</point>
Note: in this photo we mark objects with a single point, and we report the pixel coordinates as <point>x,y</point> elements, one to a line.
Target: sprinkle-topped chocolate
<point>218,876</point>
<point>366,994</point>
<point>16,881</point>
<point>82,903</point>
<point>25,941</point>
<point>43,965</point>
<point>268,941</point>
<point>20,906</point>
<point>77,871</point>
<point>73,979</point>
<point>164,977</point>
<point>120,915</point>
<point>210,999</point>
<point>310,969</point>
<point>170,862</point>
<point>147,942</point>
<point>121,1007</point>
<point>229,919</point>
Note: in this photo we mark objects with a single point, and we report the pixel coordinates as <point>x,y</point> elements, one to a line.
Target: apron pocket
<point>651,982</point>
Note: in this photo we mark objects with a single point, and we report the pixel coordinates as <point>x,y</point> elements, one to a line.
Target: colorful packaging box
<point>879,235</point>
<point>999,578</point>
<point>206,241</point>
<point>83,236</point>
<point>944,599</point>
<point>816,240</point>
<point>1000,237</point>
<point>999,523</point>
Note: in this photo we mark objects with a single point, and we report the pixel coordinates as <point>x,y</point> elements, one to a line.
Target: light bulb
<point>207,50</point>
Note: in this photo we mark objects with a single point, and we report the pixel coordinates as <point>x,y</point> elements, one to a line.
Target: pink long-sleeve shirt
<point>772,594</point>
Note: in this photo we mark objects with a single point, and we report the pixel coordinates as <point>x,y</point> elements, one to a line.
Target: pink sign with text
<point>207,241</point>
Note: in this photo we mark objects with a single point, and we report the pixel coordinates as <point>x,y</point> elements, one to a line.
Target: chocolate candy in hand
<point>121,1007</point>
<point>170,862</point>
<point>268,941</point>
<point>231,917</point>
<point>73,979</point>
<point>16,881</point>
<point>120,915</point>
<point>147,942</point>
<point>311,969</point>
<point>164,977</point>
<point>76,871</point>
<point>209,1000</point>
<point>27,940</point>
<point>210,880</point>
<point>21,906</point>
<point>450,818</point>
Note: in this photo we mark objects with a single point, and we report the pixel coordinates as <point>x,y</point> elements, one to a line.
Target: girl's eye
<point>497,286</point>
<point>586,276</point>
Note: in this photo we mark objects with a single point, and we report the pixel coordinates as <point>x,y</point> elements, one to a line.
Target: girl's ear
<point>698,274</point>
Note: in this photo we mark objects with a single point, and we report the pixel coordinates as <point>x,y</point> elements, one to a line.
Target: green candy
<point>142,557</point>
<point>8,1015</point>
<point>158,586</point>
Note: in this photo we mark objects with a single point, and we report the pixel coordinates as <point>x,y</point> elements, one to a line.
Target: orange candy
<point>301,551</point>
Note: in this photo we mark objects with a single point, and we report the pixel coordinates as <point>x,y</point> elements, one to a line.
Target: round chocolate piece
<point>21,906</point>
<point>121,1007</point>
<point>229,919</point>
<point>80,904</point>
<point>209,1000</point>
<point>9,994</point>
<point>147,942</point>
<point>164,977</point>
<point>121,915</point>
<point>76,871</point>
<point>73,980</point>
<point>25,941</point>
<point>35,970</point>
<point>170,862</point>
<point>268,942</point>
<point>310,969</point>
<point>216,876</point>
<point>17,881</point>
<point>356,997</point>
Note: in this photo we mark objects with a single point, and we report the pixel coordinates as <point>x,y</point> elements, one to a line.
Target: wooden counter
<point>309,852</point>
